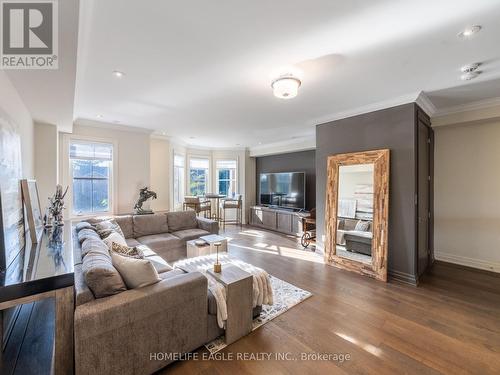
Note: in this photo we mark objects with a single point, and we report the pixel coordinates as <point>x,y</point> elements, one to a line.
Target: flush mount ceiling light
<point>118,74</point>
<point>286,86</point>
<point>469,68</point>
<point>469,31</point>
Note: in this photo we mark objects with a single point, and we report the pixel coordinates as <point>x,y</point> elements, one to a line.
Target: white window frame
<point>182,191</point>
<point>68,180</point>
<point>236,179</point>
<point>188,173</point>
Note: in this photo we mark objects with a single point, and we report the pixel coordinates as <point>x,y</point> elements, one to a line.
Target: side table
<point>239,287</point>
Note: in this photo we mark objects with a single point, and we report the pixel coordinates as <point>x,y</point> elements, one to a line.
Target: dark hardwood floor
<point>450,324</point>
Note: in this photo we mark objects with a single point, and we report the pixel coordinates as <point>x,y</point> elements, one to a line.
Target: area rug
<point>286,296</point>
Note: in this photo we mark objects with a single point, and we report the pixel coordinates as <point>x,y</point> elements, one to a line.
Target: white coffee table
<point>194,250</point>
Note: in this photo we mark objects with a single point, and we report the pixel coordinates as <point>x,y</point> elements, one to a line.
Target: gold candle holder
<point>217,265</point>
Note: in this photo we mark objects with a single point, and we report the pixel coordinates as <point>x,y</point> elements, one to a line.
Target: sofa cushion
<point>145,250</point>
<point>159,242</point>
<point>145,225</point>
<point>169,274</point>
<point>159,263</point>
<point>136,273</point>
<point>166,245</point>
<point>181,220</point>
<point>132,242</point>
<point>100,275</point>
<point>126,224</point>
<point>190,234</point>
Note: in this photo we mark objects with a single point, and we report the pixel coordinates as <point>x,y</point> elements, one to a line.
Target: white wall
<point>467,195</point>
<point>133,164</point>
<point>12,104</point>
<point>46,161</point>
<point>160,169</point>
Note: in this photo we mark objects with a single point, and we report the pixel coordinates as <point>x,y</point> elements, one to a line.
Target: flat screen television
<point>287,190</point>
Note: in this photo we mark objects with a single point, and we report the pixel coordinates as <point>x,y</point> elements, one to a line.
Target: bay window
<point>226,171</point>
<point>198,176</point>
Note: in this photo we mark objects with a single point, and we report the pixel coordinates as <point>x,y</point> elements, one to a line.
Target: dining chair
<point>233,203</point>
<point>199,205</point>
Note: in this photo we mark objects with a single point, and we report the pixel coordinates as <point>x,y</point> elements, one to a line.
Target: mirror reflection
<point>355,212</point>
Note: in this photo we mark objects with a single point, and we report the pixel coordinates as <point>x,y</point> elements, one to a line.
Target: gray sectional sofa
<point>123,331</point>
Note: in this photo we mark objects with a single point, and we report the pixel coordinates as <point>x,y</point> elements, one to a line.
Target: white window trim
<point>183,155</point>
<point>188,174</point>
<point>236,174</point>
<point>67,180</point>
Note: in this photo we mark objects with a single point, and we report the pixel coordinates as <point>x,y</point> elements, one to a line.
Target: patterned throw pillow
<point>362,226</point>
<point>132,252</point>
<point>105,228</point>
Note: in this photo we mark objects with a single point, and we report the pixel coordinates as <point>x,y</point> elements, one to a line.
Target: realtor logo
<point>28,34</point>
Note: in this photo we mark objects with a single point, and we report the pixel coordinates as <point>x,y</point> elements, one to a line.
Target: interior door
<point>424,180</point>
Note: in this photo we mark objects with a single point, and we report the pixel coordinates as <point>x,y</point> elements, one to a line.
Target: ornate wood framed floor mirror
<point>357,212</point>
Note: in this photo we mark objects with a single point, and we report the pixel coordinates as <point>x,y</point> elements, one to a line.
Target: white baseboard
<point>465,261</point>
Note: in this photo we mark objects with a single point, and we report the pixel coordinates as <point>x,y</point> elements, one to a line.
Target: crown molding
<point>472,106</point>
<point>372,107</point>
<point>283,147</point>
<point>426,104</point>
<point>107,125</point>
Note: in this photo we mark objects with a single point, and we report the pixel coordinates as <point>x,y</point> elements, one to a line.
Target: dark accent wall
<point>391,128</point>
<point>302,161</point>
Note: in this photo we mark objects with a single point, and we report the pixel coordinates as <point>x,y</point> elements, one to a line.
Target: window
<point>226,177</point>
<point>178,180</point>
<point>91,165</point>
<point>198,176</point>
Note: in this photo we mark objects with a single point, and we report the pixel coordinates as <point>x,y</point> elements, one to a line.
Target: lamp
<point>286,86</point>
<point>217,265</point>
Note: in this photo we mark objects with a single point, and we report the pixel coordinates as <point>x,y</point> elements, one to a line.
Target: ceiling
<point>203,69</point>
<point>49,94</point>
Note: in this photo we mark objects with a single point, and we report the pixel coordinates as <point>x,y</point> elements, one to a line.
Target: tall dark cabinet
<point>406,131</point>
<point>424,176</point>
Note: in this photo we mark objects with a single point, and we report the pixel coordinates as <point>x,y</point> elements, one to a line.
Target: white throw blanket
<point>262,291</point>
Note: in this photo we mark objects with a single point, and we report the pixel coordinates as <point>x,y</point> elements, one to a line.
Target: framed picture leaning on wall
<point>33,211</point>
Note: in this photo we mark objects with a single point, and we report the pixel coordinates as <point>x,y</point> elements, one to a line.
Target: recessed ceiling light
<point>99,116</point>
<point>469,76</point>
<point>469,31</point>
<point>286,86</point>
<point>260,143</point>
<point>163,133</point>
<point>469,68</point>
<point>118,74</point>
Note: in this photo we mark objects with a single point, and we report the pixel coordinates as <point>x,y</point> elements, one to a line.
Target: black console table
<point>42,271</point>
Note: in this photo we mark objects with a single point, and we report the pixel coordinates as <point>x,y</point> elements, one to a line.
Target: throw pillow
<point>114,238</point>
<point>100,276</point>
<point>106,227</point>
<point>86,233</point>
<point>132,252</point>
<point>362,226</point>
<point>83,225</point>
<point>135,272</point>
